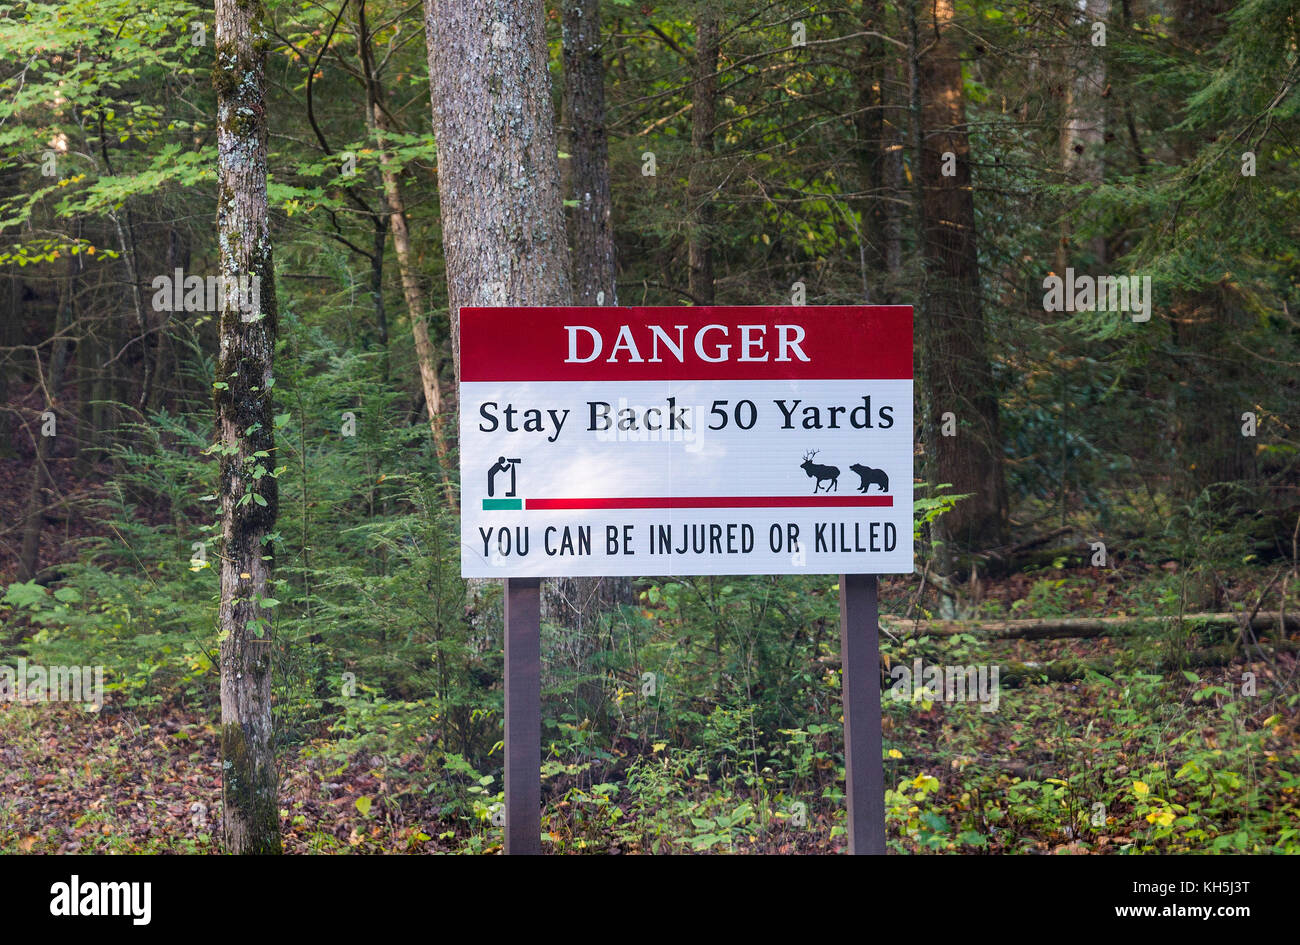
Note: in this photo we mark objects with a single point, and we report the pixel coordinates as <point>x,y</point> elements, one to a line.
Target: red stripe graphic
<point>758,342</point>
<point>715,502</point>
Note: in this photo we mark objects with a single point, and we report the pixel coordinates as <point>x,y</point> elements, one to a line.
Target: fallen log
<point>1063,627</point>
<point>1014,673</point>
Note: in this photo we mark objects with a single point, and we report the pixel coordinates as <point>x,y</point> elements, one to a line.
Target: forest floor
<point>1188,759</point>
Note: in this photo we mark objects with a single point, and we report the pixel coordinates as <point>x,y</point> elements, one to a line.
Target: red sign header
<point>831,342</point>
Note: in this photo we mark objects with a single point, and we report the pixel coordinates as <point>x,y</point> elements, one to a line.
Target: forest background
<point>949,155</point>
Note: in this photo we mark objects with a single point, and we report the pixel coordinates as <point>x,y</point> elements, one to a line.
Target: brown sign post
<point>864,771</point>
<point>675,441</point>
<point>523,742</point>
<point>860,687</point>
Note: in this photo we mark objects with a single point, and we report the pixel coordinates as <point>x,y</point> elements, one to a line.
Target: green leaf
<point>30,595</point>
<point>363,805</point>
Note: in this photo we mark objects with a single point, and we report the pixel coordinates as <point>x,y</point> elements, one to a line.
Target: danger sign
<point>706,440</point>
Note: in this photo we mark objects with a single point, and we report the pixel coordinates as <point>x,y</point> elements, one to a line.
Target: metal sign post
<point>860,684</point>
<point>523,741</point>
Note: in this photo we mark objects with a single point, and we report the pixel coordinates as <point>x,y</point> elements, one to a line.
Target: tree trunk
<point>578,604</point>
<point>1214,381</point>
<point>1083,129</point>
<point>869,123</point>
<point>33,518</point>
<point>378,240</point>
<point>704,102</point>
<point>498,169</point>
<point>591,233</point>
<point>1213,386</point>
<point>954,364</point>
<point>1014,673</point>
<point>247,490</point>
<point>425,359</point>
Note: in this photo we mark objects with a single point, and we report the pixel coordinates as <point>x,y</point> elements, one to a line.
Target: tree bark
<point>498,168</point>
<point>590,229</point>
<point>869,124</point>
<point>502,224</point>
<point>704,102</point>
<point>578,604</point>
<point>1083,127</point>
<point>247,488</point>
<point>955,371</point>
<point>29,554</point>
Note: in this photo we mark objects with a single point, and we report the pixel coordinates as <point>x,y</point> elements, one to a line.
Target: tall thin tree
<point>245,435</point>
<point>379,122</point>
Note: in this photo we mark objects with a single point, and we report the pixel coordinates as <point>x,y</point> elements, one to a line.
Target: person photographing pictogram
<point>502,465</point>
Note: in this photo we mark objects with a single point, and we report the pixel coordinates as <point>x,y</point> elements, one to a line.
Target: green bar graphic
<point>503,505</point>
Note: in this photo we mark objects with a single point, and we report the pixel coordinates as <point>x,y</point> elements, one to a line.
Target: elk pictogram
<point>816,471</point>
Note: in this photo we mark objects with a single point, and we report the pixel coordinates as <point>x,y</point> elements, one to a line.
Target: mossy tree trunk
<point>247,488</point>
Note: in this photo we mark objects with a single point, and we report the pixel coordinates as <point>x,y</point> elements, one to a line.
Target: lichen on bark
<point>242,397</point>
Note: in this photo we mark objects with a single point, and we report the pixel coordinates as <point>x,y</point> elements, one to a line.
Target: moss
<point>241,123</point>
<point>225,69</point>
<point>249,793</point>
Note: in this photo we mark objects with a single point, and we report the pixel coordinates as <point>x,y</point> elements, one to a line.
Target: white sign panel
<point>707,440</point>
